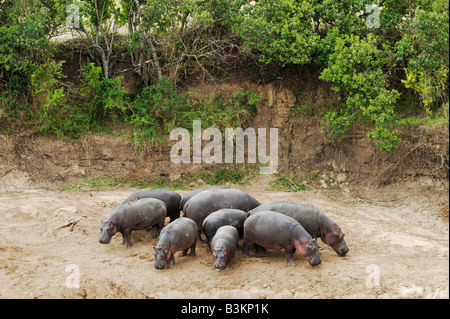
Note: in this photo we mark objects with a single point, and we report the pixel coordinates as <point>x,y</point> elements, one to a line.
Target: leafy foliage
<point>280,30</point>
<point>356,70</point>
<point>160,109</point>
<point>375,68</point>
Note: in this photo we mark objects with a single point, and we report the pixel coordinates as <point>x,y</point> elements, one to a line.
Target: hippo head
<point>162,255</point>
<point>334,237</point>
<point>308,248</point>
<point>107,230</point>
<point>219,257</point>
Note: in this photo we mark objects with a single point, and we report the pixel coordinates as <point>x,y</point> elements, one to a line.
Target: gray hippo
<point>208,201</point>
<point>189,195</point>
<point>170,198</point>
<point>272,230</point>
<point>222,217</point>
<point>181,234</point>
<point>317,224</point>
<point>142,214</point>
<point>223,246</point>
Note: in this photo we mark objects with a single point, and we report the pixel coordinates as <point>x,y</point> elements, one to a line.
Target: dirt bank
<point>398,249</point>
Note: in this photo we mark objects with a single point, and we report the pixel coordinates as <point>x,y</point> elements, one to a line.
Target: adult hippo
<point>208,201</point>
<point>317,224</point>
<point>272,230</point>
<point>142,214</point>
<point>189,195</point>
<point>170,198</point>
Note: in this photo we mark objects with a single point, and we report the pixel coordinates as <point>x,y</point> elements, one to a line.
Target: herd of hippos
<point>223,215</point>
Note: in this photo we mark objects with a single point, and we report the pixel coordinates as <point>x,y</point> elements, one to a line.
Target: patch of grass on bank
<point>228,174</point>
<point>435,120</point>
<point>286,182</point>
<point>108,182</point>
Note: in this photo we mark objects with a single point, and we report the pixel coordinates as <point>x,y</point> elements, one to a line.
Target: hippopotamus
<point>189,195</point>
<point>142,214</point>
<point>181,234</point>
<point>170,198</point>
<point>272,230</point>
<point>223,246</point>
<point>204,203</point>
<point>225,216</point>
<point>316,223</point>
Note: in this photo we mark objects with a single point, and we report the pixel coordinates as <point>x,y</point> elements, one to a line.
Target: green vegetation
<point>227,174</point>
<point>387,62</point>
<point>160,108</point>
<point>286,182</point>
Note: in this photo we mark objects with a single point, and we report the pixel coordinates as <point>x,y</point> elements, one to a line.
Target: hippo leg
<point>192,252</point>
<point>126,235</point>
<point>171,261</point>
<point>245,248</point>
<point>290,256</point>
<point>155,231</point>
<point>261,250</point>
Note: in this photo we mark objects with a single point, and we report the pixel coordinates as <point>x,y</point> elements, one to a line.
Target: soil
<point>399,248</point>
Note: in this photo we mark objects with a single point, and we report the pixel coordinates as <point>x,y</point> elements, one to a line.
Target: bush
<point>101,98</point>
<point>356,69</point>
<point>63,112</point>
<point>280,30</point>
<point>160,108</point>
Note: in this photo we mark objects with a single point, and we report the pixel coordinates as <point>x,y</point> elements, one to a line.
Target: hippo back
<point>189,195</point>
<point>208,201</point>
<point>170,198</point>
<point>309,217</point>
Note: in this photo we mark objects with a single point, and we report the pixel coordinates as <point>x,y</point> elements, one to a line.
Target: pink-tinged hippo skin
<point>222,217</point>
<point>142,214</point>
<point>170,198</point>
<point>223,246</point>
<point>208,201</point>
<point>272,230</point>
<point>181,234</point>
<point>317,224</point>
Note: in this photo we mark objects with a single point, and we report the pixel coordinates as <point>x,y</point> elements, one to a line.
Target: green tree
<point>356,69</point>
<point>98,24</point>
<point>281,30</point>
<point>424,52</point>
<point>25,29</point>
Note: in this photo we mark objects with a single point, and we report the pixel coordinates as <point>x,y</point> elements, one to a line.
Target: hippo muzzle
<point>105,238</point>
<point>341,249</point>
<point>219,260</point>
<point>314,260</point>
<point>161,258</point>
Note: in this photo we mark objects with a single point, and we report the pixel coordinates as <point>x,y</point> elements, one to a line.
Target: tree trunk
<point>148,40</point>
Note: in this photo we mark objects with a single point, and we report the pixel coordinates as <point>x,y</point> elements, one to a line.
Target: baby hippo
<point>142,214</point>
<point>223,246</point>
<point>222,217</point>
<point>181,234</point>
